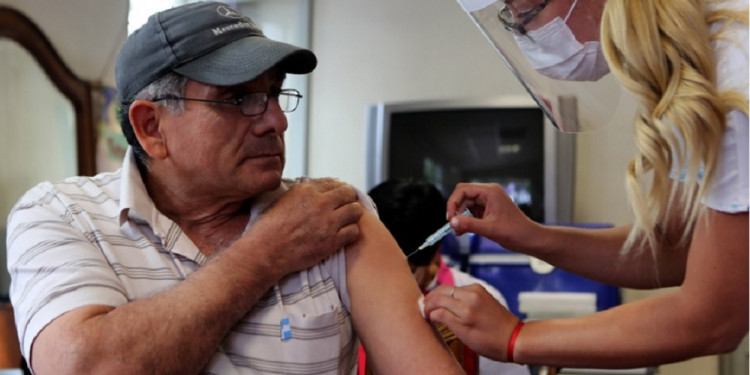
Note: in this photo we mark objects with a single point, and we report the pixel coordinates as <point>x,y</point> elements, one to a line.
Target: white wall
<point>392,50</point>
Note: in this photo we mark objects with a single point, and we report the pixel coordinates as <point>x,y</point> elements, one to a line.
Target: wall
<point>393,50</point>
<point>85,33</point>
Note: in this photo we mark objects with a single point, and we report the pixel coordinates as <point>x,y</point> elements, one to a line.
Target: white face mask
<point>554,52</point>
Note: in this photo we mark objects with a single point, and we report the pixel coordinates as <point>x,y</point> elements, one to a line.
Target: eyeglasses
<point>506,16</point>
<point>253,103</point>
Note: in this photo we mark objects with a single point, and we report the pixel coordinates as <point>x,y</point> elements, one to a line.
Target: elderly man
<point>197,257</point>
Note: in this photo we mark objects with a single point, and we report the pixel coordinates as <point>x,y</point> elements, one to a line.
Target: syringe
<point>439,234</point>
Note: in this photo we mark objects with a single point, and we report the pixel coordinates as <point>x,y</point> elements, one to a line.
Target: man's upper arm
<point>383,295</point>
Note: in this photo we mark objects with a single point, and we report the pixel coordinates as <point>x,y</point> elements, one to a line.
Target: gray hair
<point>171,84</point>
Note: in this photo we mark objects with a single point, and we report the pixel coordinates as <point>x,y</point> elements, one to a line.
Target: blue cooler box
<point>512,273</point>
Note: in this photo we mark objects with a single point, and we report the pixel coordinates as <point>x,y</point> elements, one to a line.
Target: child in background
<point>412,210</point>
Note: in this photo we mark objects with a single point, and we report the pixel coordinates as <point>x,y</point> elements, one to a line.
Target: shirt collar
<point>134,199</point>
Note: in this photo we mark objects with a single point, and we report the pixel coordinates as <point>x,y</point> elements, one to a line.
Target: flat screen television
<point>506,140</point>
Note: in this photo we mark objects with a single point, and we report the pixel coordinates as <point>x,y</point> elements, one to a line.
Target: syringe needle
<point>435,237</point>
<point>416,251</point>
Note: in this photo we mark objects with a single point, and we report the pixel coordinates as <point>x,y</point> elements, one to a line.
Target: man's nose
<point>273,120</point>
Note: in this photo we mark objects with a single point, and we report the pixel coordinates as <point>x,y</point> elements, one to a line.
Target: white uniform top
<point>730,192</point>
<point>101,241</point>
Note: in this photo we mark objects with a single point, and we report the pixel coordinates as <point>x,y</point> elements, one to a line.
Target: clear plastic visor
<point>552,47</point>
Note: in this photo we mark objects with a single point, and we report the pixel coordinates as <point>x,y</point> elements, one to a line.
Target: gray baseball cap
<point>207,42</point>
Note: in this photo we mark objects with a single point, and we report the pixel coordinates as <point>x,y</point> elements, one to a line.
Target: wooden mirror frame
<point>18,27</point>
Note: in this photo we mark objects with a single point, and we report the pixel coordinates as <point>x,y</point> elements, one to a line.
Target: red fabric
<point>444,275</point>
<point>361,363</point>
<point>470,360</point>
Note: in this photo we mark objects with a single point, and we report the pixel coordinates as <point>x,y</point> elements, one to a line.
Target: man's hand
<point>314,219</point>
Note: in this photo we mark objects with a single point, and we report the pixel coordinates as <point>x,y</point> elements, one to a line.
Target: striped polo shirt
<point>101,241</point>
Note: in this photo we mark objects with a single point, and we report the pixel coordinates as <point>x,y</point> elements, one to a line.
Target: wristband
<point>512,341</point>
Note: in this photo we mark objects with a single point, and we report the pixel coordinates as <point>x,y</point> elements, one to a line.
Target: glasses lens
<point>254,103</point>
<point>288,100</point>
<point>506,18</point>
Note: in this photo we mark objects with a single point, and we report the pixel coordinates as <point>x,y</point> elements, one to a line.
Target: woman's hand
<point>496,216</point>
<point>476,318</point>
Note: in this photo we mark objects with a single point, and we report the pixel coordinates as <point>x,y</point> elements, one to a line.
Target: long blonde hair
<point>661,52</point>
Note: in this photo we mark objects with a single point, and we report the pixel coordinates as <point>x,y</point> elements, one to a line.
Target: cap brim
<point>245,59</point>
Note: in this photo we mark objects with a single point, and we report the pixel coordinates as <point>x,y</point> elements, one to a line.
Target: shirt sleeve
<point>339,259</point>
<point>730,192</point>
<point>54,265</point>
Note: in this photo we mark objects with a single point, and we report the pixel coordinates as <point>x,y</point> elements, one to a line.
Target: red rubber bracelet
<point>512,342</point>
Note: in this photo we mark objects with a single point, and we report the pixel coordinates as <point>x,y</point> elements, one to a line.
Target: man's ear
<point>144,117</point>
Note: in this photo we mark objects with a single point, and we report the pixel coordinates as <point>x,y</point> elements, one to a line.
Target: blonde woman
<point>686,63</point>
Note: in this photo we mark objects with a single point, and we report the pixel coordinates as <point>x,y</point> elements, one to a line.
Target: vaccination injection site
<point>330,187</point>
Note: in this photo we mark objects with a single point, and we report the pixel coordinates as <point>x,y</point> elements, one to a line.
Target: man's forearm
<point>172,332</point>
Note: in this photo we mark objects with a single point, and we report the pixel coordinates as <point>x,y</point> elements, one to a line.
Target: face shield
<point>552,47</point>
